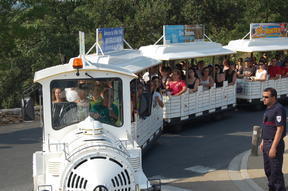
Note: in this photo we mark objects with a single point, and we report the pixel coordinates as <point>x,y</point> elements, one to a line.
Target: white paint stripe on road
<point>172,188</point>
<point>200,169</point>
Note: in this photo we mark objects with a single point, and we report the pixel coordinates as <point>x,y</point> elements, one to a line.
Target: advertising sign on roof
<point>110,39</point>
<point>268,30</point>
<point>182,33</point>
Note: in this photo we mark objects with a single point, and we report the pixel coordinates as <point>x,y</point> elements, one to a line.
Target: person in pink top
<point>176,86</point>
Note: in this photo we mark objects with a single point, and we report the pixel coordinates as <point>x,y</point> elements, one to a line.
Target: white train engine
<point>87,139</point>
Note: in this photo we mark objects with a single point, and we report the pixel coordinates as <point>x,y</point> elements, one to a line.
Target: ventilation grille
<point>135,162</point>
<point>121,182</point>
<point>54,168</point>
<point>76,182</point>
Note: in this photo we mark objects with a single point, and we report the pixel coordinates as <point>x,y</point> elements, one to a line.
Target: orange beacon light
<point>77,64</point>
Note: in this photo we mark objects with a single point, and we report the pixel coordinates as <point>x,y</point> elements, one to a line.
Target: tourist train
<point>96,123</point>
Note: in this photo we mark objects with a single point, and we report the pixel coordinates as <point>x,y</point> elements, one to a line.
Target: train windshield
<point>73,101</point>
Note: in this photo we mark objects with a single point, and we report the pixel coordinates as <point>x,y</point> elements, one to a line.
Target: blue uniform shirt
<point>273,117</point>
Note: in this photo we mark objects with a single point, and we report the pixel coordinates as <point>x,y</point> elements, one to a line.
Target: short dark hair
<point>272,91</point>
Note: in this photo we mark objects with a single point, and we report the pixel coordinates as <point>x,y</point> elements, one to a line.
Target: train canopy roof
<point>185,50</point>
<point>125,62</point>
<point>258,45</point>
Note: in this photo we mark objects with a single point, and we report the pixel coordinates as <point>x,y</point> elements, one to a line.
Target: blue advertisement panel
<point>268,30</point>
<point>182,33</point>
<point>110,39</point>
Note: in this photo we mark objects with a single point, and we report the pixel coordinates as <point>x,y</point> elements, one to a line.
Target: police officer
<point>272,145</point>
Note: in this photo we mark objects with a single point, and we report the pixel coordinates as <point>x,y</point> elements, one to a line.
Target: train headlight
<point>44,188</point>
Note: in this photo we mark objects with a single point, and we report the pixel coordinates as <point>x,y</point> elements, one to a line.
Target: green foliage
<point>38,34</point>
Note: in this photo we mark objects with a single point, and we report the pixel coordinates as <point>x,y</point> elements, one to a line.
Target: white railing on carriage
<point>199,102</point>
<point>145,129</point>
<point>251,90</point>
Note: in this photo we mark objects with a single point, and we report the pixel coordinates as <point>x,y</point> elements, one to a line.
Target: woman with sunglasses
<point>261,72</point>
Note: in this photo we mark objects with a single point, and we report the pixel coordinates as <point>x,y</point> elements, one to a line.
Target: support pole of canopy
<point>159,40</point>
<point>127,44</point>
<point>208,38</point>
<point>246,35</point>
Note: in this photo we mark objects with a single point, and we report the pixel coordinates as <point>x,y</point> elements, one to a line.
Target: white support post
<point>208,38</point>
<point>246,35</point>
<point>127,44</point>
<point>159,40</point>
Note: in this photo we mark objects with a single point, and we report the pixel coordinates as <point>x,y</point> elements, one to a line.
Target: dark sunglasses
<point>266,97</point>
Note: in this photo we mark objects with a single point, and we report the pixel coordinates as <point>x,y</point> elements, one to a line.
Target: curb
<point>237,171</point>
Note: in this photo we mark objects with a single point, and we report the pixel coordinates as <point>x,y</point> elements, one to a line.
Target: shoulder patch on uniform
<point>278,118</point>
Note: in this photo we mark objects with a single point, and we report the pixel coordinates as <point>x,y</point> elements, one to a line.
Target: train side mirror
<point>27,107</point>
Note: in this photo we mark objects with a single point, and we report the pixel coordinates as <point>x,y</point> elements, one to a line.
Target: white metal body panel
<point>198,102</point>
<point>249,90</point>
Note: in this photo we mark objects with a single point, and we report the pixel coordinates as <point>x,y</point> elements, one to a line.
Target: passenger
<point>285,69</point>
<point>230,74</point>
<point>105,111</point>
<point>200,66</point>
<point>57,96</point>
<point>165,72</point>
<point>82,104</point>
<point>225,64</point>
<point>206,79</point>
<point>142,104</point>
<point>248,69</point>
<point>177,86</point>
<point>96,95</point>
<point>71,94</point>
<point>261,73</point>
<point>274,70</point>
<point>157,97</point>
<point>193,81</point>
<point>239,67</point>
<point>219,76</point>
<point>180,66</point>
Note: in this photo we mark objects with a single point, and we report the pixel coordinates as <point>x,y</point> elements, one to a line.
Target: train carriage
<point>261,41</point>
<point>191,105</point>
<point>89,140</point>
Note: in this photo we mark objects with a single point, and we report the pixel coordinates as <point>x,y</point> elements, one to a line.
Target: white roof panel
<point>258,45</point>
<point>127,62</point>
<point>184,50</point>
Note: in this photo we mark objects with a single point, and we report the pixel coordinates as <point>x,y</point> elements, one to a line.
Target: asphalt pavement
<point>207,155</point>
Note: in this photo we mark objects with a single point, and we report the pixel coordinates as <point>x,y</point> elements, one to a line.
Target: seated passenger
<point>82,104</point>
<point>200,66</point>
<point>193,81</point>
<point>285,69</point>
<point>142,103</point>
<point>165,72</point>
<point>206,79</point>
<point>96,95</point>
<point>176,86</point>
<point>248,69</point>
<point>261,73</point>
<point>219,76</point>
<point>239,66</point>
<point>230,74</point>
<point>57,96</point>
<point>157,97</point>
<point>105,111</point>
<point>274,70</point>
